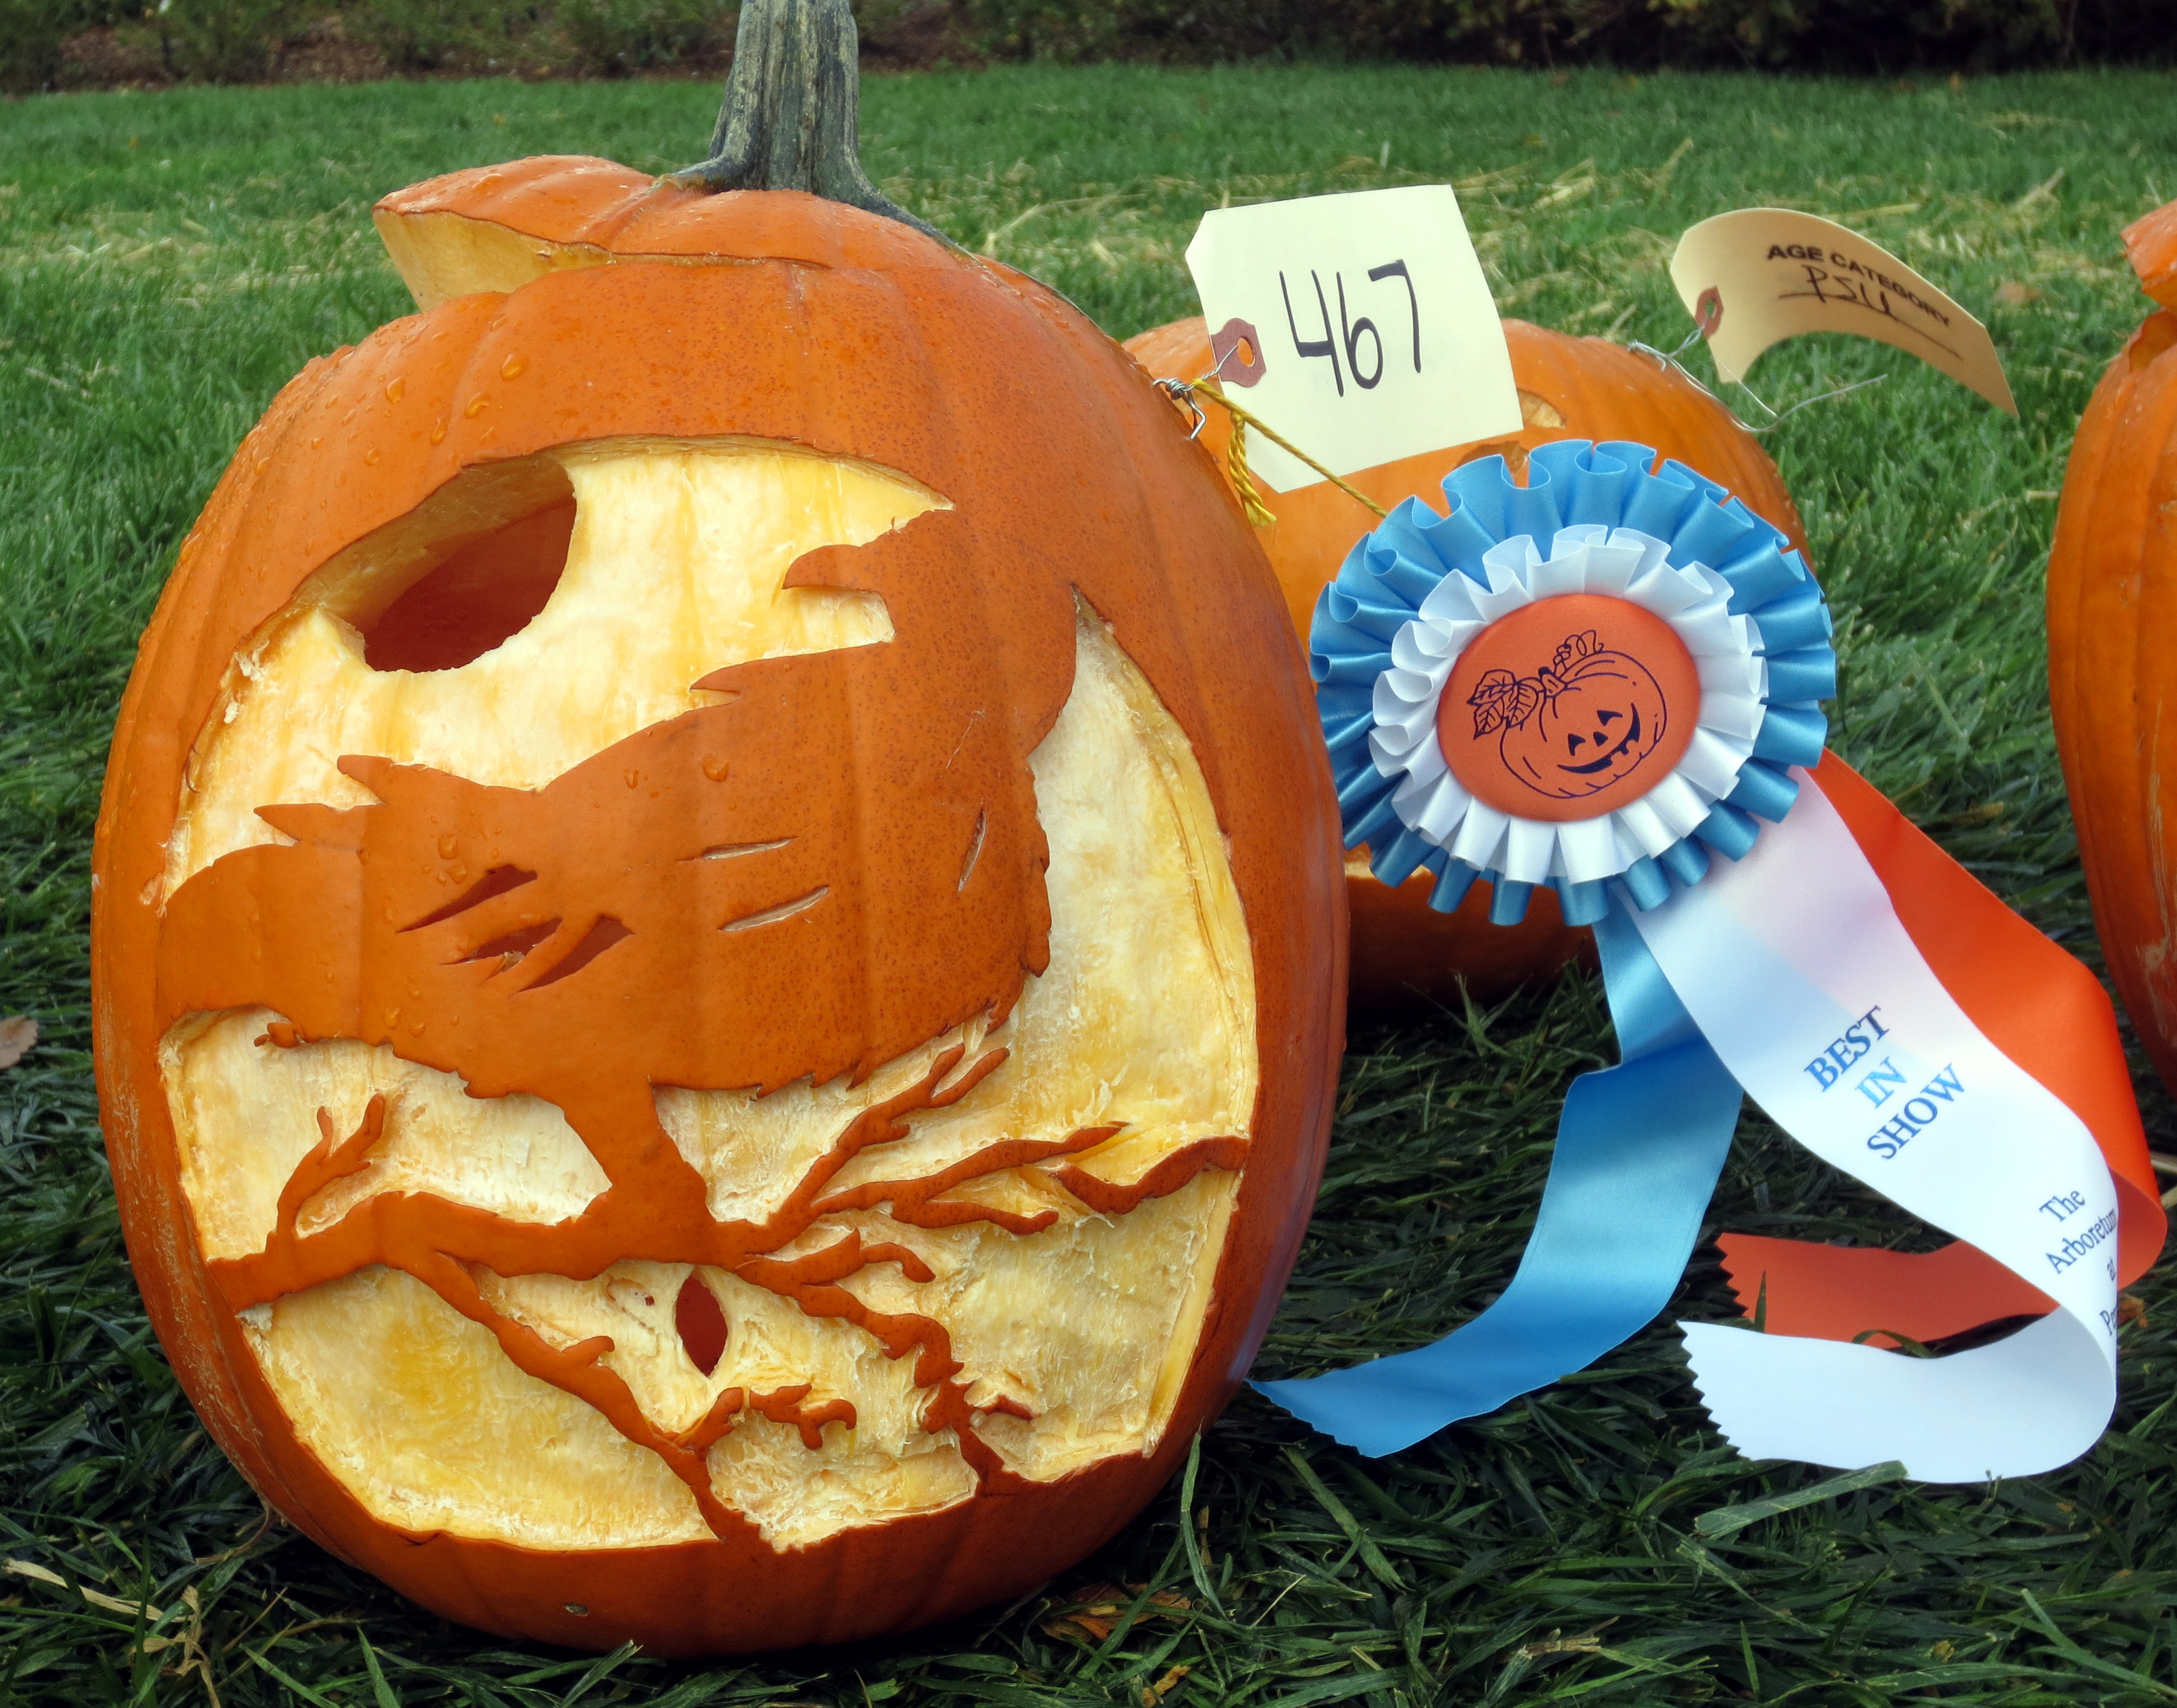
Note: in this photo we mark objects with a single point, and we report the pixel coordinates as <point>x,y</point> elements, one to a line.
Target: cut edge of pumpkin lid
<point>564,198</point>
<point>2150,243</point>
<point>496,228</point>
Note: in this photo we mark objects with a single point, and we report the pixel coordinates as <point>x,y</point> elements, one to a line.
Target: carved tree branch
<point>791,119</point>
<point>442,1244</point>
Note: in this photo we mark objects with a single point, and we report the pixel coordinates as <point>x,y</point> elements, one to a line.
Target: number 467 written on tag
<point>1351,329</point>
<point>1359,325</point>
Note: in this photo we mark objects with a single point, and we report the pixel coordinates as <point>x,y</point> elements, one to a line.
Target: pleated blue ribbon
<point>1639,1149</point>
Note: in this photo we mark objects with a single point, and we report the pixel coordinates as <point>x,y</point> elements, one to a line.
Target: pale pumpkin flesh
<point>1040,1221</point>
<point>440,256</point>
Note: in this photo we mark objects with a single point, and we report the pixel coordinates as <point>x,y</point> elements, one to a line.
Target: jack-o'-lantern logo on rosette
<point>1587,728</point>
<point>1592,680</point>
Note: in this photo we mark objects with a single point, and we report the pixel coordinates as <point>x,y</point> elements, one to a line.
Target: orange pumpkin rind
<point>2112,608</point>
<point>2150,244</point>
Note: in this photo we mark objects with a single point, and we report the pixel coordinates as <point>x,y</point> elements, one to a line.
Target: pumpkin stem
<point>791,118</point>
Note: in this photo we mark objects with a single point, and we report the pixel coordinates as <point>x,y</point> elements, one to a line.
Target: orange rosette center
<point>1569,708</point>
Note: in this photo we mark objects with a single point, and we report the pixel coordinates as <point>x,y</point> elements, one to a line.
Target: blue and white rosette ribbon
<point>1735,947</point>
<point>1388,629</point>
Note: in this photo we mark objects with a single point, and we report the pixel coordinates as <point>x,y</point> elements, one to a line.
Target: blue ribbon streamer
<point>1639,1149</point>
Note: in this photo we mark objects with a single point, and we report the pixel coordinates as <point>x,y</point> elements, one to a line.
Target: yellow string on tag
<point>1235,458</point>
<point>1243,479</point>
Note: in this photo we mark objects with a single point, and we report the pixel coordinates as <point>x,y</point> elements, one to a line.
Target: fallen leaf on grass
<point>18,1036</point>
<point>1095,1610</point>
<point>2014,295</point>
<point>1589,1642</point>
<point>112,1604</point>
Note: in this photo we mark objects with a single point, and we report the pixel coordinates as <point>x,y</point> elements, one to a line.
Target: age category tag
<point>1755,277</point>
<point>1359,325</point>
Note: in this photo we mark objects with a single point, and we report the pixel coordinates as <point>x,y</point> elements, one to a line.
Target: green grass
<point>166,262</point>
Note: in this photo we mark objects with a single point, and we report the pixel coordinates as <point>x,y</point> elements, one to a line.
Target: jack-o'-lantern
<point>1583,723</point>
<point>1584,388</point>
<point>718,942</point>
<point>2112,587</point>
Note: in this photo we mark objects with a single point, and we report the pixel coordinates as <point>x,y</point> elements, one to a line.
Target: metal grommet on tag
<point>1238,347</point>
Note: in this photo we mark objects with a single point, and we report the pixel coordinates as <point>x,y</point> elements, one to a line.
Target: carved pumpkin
<point>717,958</point>
<point>1585,388</point>
<point>2112,593</point>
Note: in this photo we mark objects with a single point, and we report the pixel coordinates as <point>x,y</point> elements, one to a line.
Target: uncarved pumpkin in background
<point>1570,387</point>
<point>2112,639</point>
<point>718,943</point>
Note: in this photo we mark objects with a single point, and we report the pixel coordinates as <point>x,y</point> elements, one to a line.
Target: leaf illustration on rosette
<point>1501,700</point>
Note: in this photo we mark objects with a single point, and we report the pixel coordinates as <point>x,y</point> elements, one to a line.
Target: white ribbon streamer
<point>1795,965</point>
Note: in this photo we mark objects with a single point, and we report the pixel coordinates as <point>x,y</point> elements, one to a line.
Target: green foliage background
<point>252,41</point>
<point>1805,33</point>
<point>166,261</point>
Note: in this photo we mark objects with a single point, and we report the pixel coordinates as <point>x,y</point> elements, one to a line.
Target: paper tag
<point>1361,324</point>
<point>1762,275</point>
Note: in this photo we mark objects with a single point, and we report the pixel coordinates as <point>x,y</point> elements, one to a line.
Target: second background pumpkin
<point>1569,388</point>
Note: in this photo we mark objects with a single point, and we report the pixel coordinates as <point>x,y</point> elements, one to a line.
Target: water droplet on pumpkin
<point>630,777</point>
<point>716,769</point>
<point>439,432</point>
<point>394,389</point>
<point>513,367</point>
<point>477,405</point>
<point>447,844</point>
<point>370,457</point>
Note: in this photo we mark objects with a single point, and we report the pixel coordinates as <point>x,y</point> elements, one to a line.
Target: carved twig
<point>664,1217</point>
<point>578,1370</point>
<point>444,1244</point>
<point>786,1405</point>
<point>1166,1176</point>
<point>331,1159</point>
<point>918,1203</point>
<point>812,1283</point>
